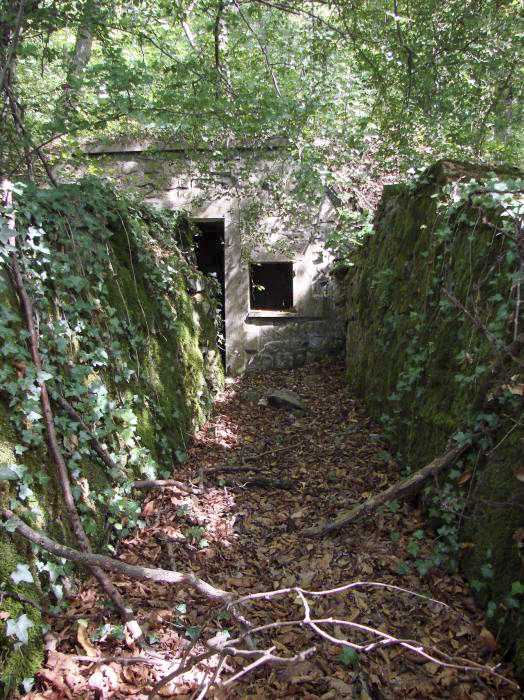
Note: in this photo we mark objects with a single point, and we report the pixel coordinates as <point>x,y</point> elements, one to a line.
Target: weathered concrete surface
<point>420,364</point>
<point>167,177</point>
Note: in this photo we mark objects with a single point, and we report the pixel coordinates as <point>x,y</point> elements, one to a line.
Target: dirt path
<point>244,536</point>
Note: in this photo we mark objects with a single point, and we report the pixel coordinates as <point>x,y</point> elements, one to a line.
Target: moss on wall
<point>125,342</point>
<point>420,361</point>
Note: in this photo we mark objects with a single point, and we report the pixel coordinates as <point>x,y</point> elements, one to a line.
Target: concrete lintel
<point>152,146</point>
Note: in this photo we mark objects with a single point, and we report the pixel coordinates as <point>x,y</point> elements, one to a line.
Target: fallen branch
<point>250,458</point>
<point>165,483</point>
<point>260,482</point>
<point>242,467</point>
<point>224,468</point>
<point>376,640</point>
<point>91,560</point>
<point>402,489</point>
<point>223,648</point>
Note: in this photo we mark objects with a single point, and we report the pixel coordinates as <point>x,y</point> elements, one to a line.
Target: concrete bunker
<point>279,302</point>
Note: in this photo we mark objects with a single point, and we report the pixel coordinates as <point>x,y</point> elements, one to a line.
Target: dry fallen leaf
<point>344,689</point>
<point>85,643</point>
<point>464,478</point>
<point>487,640</point>
<point>149,508</point>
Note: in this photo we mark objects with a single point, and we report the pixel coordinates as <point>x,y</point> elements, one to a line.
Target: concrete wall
<point>427,371</point>
<point>229,189</point>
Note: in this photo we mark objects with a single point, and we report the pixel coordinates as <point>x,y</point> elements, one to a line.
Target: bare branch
<point>109,564</point>
<point>262,46</point>
<point>4,76</point>
<point>407,487</point>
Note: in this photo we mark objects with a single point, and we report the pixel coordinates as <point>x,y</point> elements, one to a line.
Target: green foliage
<point>356,89</point>
<point>436,297</point>
<point>348,656</point>
<point>119,338</point>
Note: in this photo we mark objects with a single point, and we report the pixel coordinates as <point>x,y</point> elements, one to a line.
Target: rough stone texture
<point>284,398</point>
<point>404,341</point>
<point>298,341</point>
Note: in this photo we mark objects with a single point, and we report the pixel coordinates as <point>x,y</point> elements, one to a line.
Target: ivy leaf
<point>24,492</point>
<point>33,416</point>
<point>394,506</point>
<point>28,684</point>
<point>43,376</point>
<point>7,473</point>
<point>486,570</point>
<point>193,632</point>
<point>517,588</point>
<point>19,628</point>
<point>412,548</point>
<point>9,525</point>
<point>22,573</point>
<point>58,590</point>
<point>75,282</point>
<point>6,234</point>
<point>348,656</point>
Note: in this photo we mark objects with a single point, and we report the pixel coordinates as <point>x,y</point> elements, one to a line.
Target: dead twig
<point>24,599</point>
<point>474,319</point>
<point>123,660</point>
<point>250,458</point>
<point>110,463</point>
<point>225,648</point>
<point>260,482</point>
<point>223,468</point>
<point>93,441</point>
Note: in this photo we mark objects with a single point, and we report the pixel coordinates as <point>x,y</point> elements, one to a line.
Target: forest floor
<point>245,537</point>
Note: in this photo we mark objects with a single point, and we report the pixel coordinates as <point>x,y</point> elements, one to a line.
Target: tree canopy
<point>394,83</point>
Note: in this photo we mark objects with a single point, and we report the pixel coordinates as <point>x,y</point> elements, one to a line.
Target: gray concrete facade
<point>256,339</point>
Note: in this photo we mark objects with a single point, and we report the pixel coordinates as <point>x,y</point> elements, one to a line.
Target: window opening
<point>271,286</point>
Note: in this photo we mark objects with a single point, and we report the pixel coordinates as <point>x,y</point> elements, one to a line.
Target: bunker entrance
<point>209,251</point>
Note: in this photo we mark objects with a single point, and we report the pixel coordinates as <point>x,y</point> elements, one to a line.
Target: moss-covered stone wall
<point>432,298</point>
<point>128,336</point>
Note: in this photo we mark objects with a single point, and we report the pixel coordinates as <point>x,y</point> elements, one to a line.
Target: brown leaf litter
<point>246,539</point>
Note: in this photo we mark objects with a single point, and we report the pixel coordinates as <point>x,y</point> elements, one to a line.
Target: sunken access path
<point>244,535</point>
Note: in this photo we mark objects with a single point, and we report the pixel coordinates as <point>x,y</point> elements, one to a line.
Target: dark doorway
<point>271,286</point>
<point>209,251</point>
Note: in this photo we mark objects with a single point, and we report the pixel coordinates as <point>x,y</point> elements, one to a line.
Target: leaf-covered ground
<point>244,535</point>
